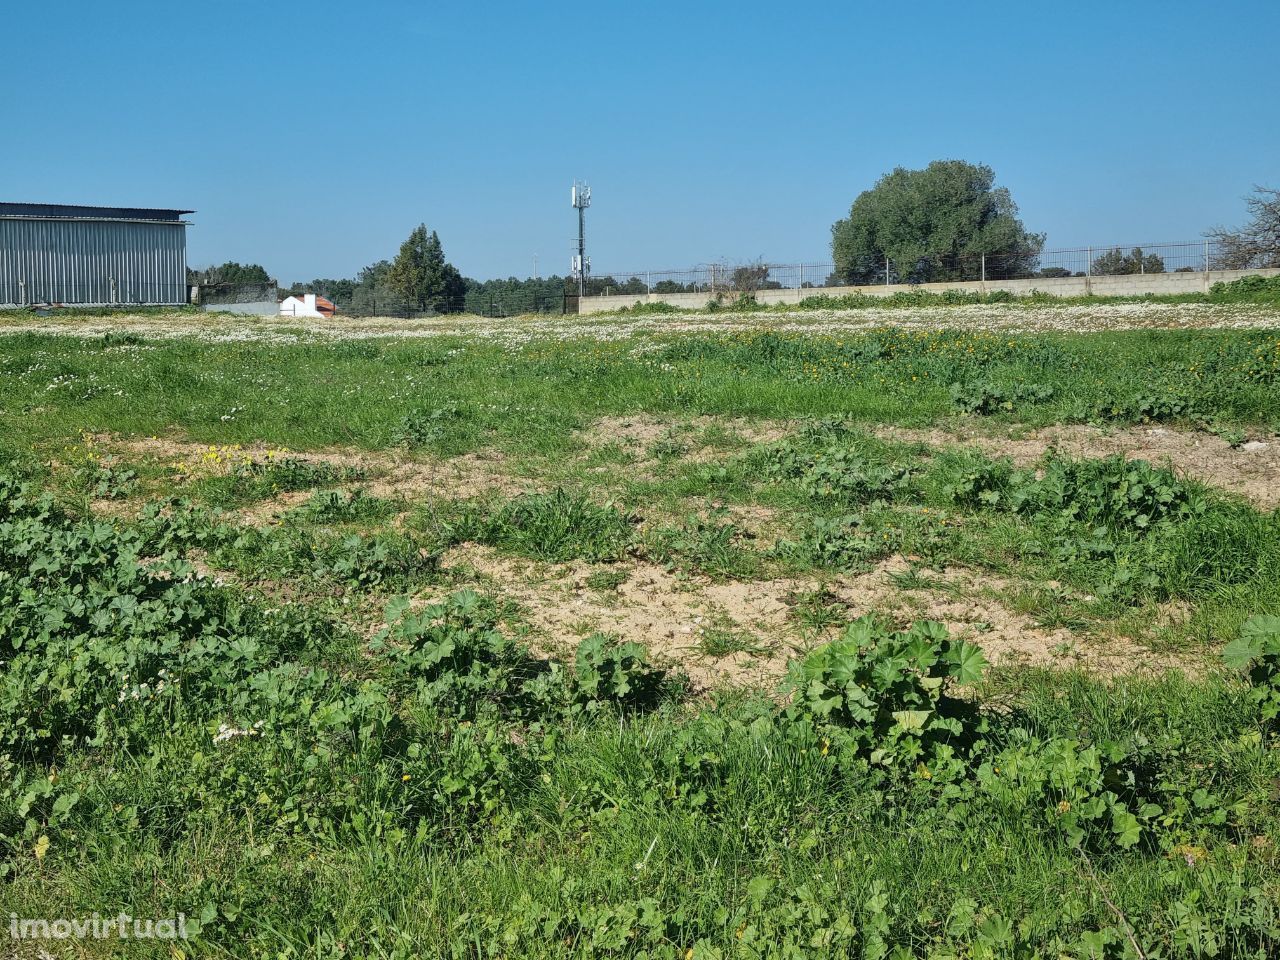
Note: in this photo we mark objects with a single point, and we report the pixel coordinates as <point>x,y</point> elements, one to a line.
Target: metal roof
<point>63,211</point>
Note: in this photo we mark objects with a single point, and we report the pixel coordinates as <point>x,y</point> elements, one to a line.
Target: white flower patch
<point>226,732</point>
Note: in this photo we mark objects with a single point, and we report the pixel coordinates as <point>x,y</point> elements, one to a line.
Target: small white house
<point>307,305</point>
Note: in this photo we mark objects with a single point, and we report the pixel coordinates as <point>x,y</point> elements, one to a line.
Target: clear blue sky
<point>312,136</point>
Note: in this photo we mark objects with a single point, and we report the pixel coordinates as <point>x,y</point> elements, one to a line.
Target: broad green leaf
<point>967,662</point>
<point>1264,631</point>
<point>1125,826</point>
<point>911,720</point>
<point>1240,652</point>
<point>758,888</point>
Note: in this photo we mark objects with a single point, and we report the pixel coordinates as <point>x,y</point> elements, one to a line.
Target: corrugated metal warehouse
<point>56,254</point>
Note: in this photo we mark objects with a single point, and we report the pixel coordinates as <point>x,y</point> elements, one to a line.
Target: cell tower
<point>581,262</point>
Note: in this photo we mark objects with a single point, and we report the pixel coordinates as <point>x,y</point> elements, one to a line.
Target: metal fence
<point>1099,261</point>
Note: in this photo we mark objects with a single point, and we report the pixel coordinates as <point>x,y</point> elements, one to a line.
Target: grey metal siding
<point>92,262</point>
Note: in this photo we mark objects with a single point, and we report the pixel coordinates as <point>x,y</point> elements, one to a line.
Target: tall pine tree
<point>422,276</point>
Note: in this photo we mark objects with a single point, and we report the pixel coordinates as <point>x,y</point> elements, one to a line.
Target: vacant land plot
<point>949,632</point>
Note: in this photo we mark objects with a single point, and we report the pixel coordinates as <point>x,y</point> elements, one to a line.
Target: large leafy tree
<point>933,224</point>
<point>421,275</point>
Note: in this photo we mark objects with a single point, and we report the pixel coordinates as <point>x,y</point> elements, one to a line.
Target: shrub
<point>838,471</point>
<point>609,671</point>
<point>887,691</point>
<point>453,658</point>
<point>1253,289</point>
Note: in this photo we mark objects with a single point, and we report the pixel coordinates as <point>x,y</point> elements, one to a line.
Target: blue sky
<point>312,136</point>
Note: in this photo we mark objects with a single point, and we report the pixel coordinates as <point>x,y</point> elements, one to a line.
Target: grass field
<point>941,631</point>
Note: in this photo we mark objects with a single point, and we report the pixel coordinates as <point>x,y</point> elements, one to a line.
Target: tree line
<point>911,226</point>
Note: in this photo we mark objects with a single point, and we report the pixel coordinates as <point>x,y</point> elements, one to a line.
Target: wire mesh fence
<point>1107,260</point>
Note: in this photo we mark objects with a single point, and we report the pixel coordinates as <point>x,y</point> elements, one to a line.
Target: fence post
<point>886,271</point>
<point>1088,272</point>
<point>1206,265</point>
<point>984,273</point>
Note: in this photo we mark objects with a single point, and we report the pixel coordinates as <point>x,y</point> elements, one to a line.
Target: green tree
<point>933,224</point>
<point>421,275</point>
<point>230,272</point>
<point>1118,263</point>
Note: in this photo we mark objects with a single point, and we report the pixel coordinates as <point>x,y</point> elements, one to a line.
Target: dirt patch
<point>653,447</point>
<point>1251,469</point>
<point>640,432</point>
<point>390,475</point>
<point>468,475</point>
<point>651,605</point>
<point>681,619</point>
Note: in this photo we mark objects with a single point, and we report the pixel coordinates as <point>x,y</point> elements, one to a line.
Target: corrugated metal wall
<point>92,262</point>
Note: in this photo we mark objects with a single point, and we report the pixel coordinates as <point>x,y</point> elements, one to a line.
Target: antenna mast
<point>581,263</point>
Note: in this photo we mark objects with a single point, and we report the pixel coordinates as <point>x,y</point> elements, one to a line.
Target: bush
<point>1252,289</point>
<point>452,657</point>
<point>887,692</point>
<point>609,671</point>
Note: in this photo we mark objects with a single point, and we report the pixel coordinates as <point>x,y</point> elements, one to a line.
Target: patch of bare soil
<point>388,475</point>
<point>676,616</point>
<point>1251,469</point>
<point>971,605</point>
<point>653,606</point>
<point>639,433</point>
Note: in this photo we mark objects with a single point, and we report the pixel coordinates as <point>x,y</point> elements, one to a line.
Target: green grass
<point>339,771</point>
<point>450,395</point>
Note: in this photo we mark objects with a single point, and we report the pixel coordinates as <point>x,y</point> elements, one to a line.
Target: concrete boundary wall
<point>261,308</point>
<point>1128,285</point>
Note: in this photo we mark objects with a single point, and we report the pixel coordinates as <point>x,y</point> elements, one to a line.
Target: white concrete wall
<point>1127,286</point>
<point>262,308</point>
